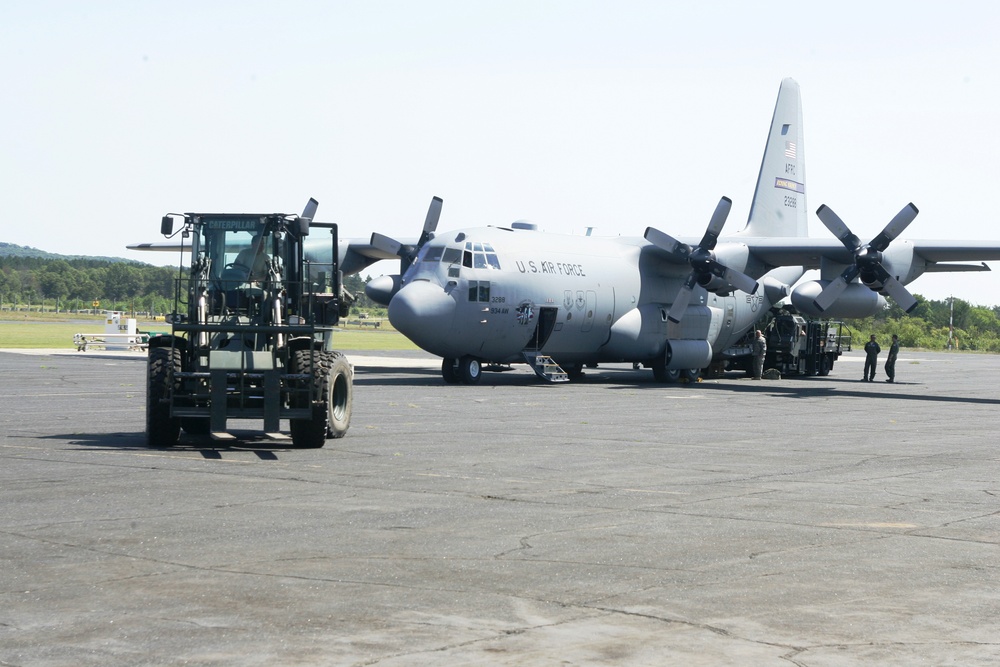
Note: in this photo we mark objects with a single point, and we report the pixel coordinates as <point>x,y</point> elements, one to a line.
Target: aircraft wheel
<point>470,370</point>
<point>449,372</point>
<point>691,374</point>
<point>660,372</point>
<point>162,430</point>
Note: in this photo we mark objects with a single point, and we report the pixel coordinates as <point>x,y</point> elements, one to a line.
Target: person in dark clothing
<point>890,362</point>
<point>871,359</point>
<point>759,350</point>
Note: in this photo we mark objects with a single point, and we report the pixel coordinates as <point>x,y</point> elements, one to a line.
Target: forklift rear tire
<point>162,430</point>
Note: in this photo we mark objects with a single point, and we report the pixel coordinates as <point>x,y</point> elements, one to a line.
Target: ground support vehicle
<point>795,346</point>
<point>252,334</point>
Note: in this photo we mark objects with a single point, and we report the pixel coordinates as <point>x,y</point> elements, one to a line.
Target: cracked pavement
<point>810,522</point>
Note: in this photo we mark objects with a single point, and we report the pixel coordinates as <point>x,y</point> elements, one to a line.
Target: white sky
<point>571,114</point>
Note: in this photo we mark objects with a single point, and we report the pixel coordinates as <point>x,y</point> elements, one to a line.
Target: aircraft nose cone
<point>425,314</point>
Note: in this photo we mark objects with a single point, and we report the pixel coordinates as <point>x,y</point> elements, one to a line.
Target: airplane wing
<point>935,252</point>
<point>931,256</point>
<point>166,246</point>
<point>358,254</point>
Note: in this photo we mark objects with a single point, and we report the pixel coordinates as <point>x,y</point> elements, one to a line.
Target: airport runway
<point>810,522</point>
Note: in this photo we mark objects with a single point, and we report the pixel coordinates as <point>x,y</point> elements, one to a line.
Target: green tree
<point>122,281</point>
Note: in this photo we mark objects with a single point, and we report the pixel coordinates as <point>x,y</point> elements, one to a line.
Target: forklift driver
<point>253,259</point>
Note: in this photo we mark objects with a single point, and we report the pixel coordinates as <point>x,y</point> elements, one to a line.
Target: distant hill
<point>13,250</point>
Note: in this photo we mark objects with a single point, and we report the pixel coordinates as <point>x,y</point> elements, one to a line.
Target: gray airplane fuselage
<point>492,293</point>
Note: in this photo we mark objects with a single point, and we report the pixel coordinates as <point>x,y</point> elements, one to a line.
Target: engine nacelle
<point>714,284</point>
<point>684,354</point>
<point>857,301</point>
<point>382,289</point>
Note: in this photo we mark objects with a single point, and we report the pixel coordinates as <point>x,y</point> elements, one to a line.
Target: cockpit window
<point>439,253</point>
<point>433,253</point>
<point>480,256</point>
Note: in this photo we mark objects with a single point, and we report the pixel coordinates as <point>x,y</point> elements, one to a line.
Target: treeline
<point>75,284</point>
<point>935,325</point>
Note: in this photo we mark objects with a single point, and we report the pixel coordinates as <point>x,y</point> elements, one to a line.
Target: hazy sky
<point>571,114</point>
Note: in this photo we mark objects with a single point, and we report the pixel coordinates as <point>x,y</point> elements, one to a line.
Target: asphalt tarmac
<point>614,521</point>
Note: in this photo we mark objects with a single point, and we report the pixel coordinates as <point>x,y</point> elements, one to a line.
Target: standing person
<point>890,362</point>
<point>759,350</point>
<point>871,359</point>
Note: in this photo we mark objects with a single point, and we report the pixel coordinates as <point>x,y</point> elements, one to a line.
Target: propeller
<point>704,265</point>
<point>309,212</point>
<point>408,253</point>
<point>867,259</point>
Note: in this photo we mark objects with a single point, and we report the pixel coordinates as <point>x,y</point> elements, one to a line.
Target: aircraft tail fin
<point>779,201</point>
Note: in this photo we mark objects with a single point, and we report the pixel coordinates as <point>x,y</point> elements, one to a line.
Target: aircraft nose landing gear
<point>467,370</point>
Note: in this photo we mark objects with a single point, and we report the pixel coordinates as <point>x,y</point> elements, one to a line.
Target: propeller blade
<point>682,299</point>
<point>867,258</point>
<point>431,222</point>
<point>837,227</point>
<point>739,280</point>
<point>667,242</point>
<point>716,224</point>
<point>386,244</point>
<point>900,294</point>
<point>895,227</point>
<point>309,212</point>
<point>830,293</point>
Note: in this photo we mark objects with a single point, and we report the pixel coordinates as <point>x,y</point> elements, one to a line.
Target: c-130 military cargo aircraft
<point>494,296</point>
<point>504,295</point>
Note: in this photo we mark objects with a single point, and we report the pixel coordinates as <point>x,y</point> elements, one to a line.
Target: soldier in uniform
<point>759,350</point>
<point>871,359</point>
<point>890,362</point>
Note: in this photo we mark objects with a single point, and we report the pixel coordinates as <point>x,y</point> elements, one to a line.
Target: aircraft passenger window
<point>452,256</point>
